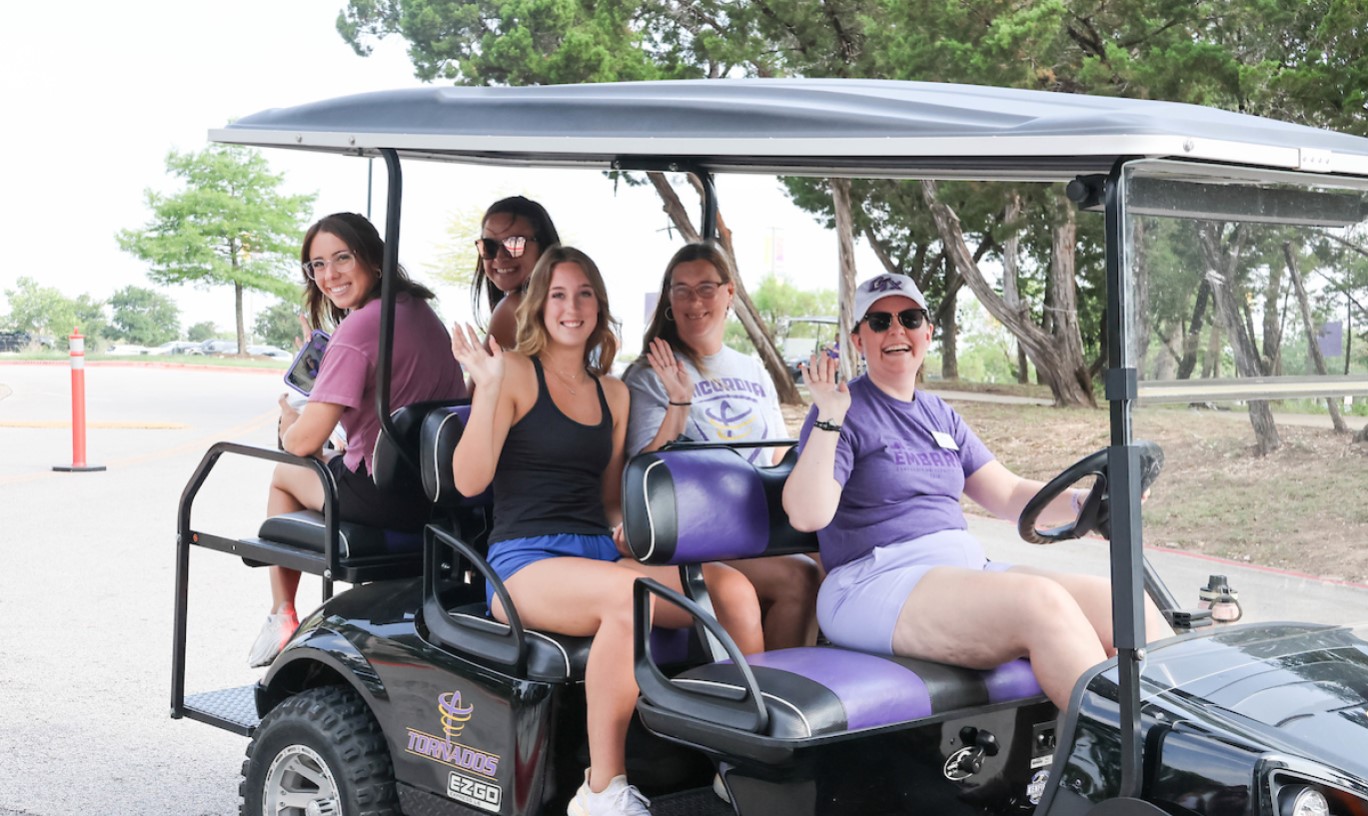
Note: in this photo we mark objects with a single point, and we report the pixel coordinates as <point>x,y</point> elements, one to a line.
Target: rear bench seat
<point>299,540</point>
<point>703,503</point>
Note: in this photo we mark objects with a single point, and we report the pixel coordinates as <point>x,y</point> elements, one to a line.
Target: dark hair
<point>602,345</point>
<point>542,230</point>
<point>662,322</point>
<point>363,240</point>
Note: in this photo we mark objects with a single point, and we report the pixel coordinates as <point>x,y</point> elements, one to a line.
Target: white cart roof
<point>795,126</point>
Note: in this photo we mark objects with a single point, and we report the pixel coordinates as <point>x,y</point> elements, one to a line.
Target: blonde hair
<point>533,338</point>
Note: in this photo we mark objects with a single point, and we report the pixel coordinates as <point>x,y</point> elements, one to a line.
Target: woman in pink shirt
<point>341,264</point>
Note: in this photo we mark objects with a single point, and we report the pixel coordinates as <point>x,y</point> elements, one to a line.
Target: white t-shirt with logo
<point>733,401</point>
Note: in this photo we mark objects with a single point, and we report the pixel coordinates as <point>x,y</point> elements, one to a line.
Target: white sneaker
<point>275,633</point>
<point>618,799</point>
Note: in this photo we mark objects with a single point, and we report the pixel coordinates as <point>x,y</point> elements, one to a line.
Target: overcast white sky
<point>96,93</point>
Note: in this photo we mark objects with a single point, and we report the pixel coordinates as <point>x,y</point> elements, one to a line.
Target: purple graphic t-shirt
<point>902,466</point>
<point>733,401</point>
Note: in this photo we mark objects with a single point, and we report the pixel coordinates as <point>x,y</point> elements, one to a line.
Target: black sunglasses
<point>883,321</point>
<point>514,245</point>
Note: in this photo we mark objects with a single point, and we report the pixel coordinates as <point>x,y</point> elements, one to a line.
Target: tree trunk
<point>1051,357</point>
<point>949,341</point>
<point>1211,366</point>
<point>1272,327</point>
<point>1164,366</point>
<point>241,330</point>
<point>1194,332</point>
<point>1011,293</point>
<point>1063,276</point>
<point>845,250</point>
<point>760,337</point>
<point>1222,259</point>
<point>1313,346</point>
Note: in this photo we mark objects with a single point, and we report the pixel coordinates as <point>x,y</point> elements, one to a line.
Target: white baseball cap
<point>882,286</point>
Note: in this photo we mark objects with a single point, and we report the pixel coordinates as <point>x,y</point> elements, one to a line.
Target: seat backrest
<point>699,503</point>
<point>391,472</point>
<point>440,433</point>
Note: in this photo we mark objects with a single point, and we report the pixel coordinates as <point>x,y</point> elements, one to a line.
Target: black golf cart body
<point>465,715</point>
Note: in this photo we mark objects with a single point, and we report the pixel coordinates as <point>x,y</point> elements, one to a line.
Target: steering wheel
<point>1095,514</point>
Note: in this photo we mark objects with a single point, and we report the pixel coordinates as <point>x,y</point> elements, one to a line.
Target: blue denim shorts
<point>507,557</point>
<point>860,601</point>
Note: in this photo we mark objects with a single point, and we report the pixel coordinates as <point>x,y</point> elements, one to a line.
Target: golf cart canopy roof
<point>821,127</point>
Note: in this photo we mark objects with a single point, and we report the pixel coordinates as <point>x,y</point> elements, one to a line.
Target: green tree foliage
<point>1304,61</point>
<point>45,311</point>
<point>228,226</point>
<point>778,298</point>
<point>198,333</point>
<point>278,325</point>
<point>144,316</point>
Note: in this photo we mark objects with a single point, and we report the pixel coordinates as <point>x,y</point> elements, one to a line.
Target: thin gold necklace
<point>570,385</point>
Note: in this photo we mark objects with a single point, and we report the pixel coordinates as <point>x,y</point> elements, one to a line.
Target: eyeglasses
<point>704,291</point>
<point>341,262</point>
<point>881,322</point>
<point>514,245</point>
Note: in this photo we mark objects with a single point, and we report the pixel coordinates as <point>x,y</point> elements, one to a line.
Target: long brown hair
<point>662,322</point>
<point>543,231</point>
<point>363,241</point>
<point>533,337</point>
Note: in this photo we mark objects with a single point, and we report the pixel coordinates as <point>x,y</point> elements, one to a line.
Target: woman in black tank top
<point>547,427</point>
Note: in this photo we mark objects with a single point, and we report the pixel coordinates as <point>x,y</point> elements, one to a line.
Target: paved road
<point>86,587</point>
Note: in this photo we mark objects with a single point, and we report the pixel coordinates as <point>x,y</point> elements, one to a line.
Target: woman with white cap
<point>879,477</point>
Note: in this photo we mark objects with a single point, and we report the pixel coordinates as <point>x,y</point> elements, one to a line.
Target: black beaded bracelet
<point>672,402</point>
<point>824,425</point>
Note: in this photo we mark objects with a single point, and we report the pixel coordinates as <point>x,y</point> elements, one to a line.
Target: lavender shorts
<point>859,602</point>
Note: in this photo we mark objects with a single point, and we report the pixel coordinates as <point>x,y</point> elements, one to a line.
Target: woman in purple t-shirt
<point>341,260</point>
<point>879,477</point>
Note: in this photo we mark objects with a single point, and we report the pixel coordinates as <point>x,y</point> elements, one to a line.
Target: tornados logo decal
<point>480,790</point>
<point>454,715</point>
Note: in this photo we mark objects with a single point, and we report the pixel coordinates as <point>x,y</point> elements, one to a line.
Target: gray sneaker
<point>618,799</point>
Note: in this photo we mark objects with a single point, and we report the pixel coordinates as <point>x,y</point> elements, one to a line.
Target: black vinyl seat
<point>299,540</point>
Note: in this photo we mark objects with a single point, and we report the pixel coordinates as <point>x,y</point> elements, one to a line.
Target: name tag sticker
<point>945,440</point>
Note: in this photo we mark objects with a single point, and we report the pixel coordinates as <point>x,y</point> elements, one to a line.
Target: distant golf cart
<point>797,350</point>
<point>401,694</point>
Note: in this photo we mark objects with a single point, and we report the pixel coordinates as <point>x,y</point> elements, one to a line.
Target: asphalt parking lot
<point>87,586</point>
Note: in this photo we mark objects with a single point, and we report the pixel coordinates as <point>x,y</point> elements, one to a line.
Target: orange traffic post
<point>78,418</point>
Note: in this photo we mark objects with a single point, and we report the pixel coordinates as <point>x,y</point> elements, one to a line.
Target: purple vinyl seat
<point>693,504</point>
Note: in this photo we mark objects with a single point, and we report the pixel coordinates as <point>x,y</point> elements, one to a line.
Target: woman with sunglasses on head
<point>546,428</point>
<point>689,384</point>
<point>341,263</point>
<point>879,477</point>
<point>514,232</point>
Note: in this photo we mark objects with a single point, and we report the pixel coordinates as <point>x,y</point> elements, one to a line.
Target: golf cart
<point>402,695</point>
<point>797,350</point>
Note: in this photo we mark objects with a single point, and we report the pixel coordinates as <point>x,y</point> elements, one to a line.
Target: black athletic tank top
<point>550,474</point>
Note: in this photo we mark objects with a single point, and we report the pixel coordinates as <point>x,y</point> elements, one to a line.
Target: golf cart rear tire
<point>330,726</point>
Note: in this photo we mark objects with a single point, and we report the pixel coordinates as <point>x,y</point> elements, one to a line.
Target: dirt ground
<point>1303,508</point>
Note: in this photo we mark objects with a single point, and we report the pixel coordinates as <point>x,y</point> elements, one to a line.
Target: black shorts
<point>362,502</point>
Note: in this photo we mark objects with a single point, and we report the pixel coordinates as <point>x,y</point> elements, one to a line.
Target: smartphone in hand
<point>304,370</point>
